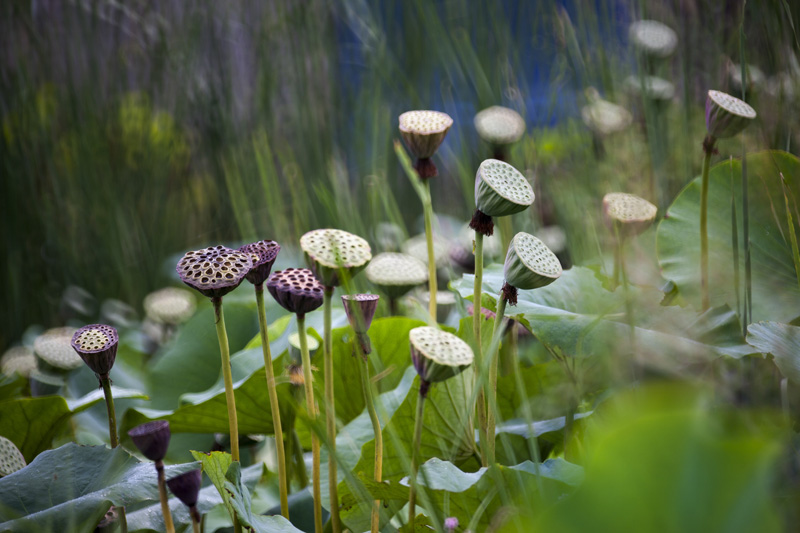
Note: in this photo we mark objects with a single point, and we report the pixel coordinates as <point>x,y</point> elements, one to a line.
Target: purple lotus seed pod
<point>214,271</point>
<point>97,346</point>
<point>360,308</point>
<point>726,115</point>
<point>152,439</point>
<point>186,487</point>
<point>296,289</point>
<point>263,254</point>
<point>450,524</point>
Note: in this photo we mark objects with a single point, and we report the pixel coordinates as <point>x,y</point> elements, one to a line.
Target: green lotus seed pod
<point>501,190</point>
<point>423,131</point>
<point>498,125</point>
<point>11,459</point>
<point>169,306</point>
<point>18,360</point>
<point>54,351</point>
<point>331,252</point>
<point>437,355</point>
<point>603,117</point>
<point>417,246</point>
<point>395,273</point>
<point>652,38</point>
<point>630,213</point>
<point>726,115</point>
<point>530,264</point>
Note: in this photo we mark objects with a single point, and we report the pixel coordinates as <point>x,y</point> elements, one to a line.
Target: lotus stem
<point>366,387</point>
<point>162,495</point>
<point>477,293</point>
<point>195,520</point>
<point>312,415</point>
<point>427,206</point>
<point>225,354</point>
<point>105,382</point>
<point>491,385</point>
<point>708,148</point>
<point>283,482</point>
<point>412,494</point>
<point>330,410</point>
<point>297,450</point>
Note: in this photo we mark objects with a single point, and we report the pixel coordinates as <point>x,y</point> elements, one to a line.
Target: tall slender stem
<point>491,384</point>
<point>412,494</point>
<point>706,302</point>
<point>283,483</point>
<point>225,354</point>
<point>330,410</point>
<point>105,382</point>
<point>477,317</point>
<point>427,207</point>
<point>312,415</point>
<point>162,495</point>
<point>366,387</point>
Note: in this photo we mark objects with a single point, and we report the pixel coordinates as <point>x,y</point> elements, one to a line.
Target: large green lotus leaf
<point>69,489</point>
<point>32,423</point>
<point>775,291</point>
<point>780,340</point>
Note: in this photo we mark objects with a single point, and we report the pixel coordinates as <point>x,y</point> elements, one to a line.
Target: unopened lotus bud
<point>653,38</point>
<point>152,439</point>
<point>629,213</point>
<point>296,290</point>
<point>263,255</point>
<point>97,345</point>
<point>726,115</point>
<point>437,355</point>
<point>331,253</point>
<point>11,459</point>
<point>170,305</point>
<point>423,133</point>
<point>18,360</point>
<point>396,273</point>
<point>498,125</point>
<point>214,271</point>
<point>360,308</point>
<point>54,352</point>
<point>529,265</point>
<point>500,190</point>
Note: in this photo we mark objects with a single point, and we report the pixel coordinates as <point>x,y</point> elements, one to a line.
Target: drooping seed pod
<point>423,132</point>
<point>331,253</point>
<point>186,487</point>
<point>18,360</point>
<point>498,125</point>
<point>152,439</point>
<point>500,190</point>
<point>11,459</point>
<point>170,306</point>
<point>726,115</point>
<point>53,352</point>
<point>214,271</point>
<point>296,290</point>
<point>396,273</point>
<point>529,265</point>
<point>603,117</point>
<point>360,309</point>
<point>630,214</point>
<point>97,345</point>
<point>263,255</point>
<point>437,355</point>
<point>652,38</point>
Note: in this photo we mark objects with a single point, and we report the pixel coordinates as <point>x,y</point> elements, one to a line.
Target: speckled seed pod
<point>170,306</point>
<point>97,346</point>
<point>18,360</point>
<point>214,271</point>
<point>530,264</point>
<point>653,38</point>
<point>630,213</point>
<point>11,459</point>
<point>498,125</point>
<point>360,309</point>
<point>423,133</point>
<point>330,253</point>
<point>651,87</point>
<point>54,353</point>
<point>263,255</point>
<point>500,190</point>
<point>296,290</point>
<point>152,439</point>
<point>603,117</point>
<point>437,355</point>
<point>417,246</point>
<point>726,115</point>
<point>396,274</point>
<point>186,487</point>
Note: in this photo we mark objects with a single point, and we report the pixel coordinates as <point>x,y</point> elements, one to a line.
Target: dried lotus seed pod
<point>726,115</point>
<point>214,271</point>
<point>186,487</point>
<point>500,190</point>
<point>498,125</point>
<point>330,252</point>
<point>437,355</point>
<point>170,305</point>
<point>53,351</point>
<point>263,255</point>
<point>152,439</point>
<point>18,360</point>
<point>630,213</point>
<point>360,309</point>
<point>529,265</point>
<point>653,38</point>
<point>97,345</point>
<point>423,133</point>
<point>11,459</point>
<point>296,290</point>
<point>396,273</point>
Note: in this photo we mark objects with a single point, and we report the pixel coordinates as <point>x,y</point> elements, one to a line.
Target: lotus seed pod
<point>755,77</point>
<point>331,252</point>
<point>652,38</point>
<point>263,255</point>
<point>630,213</point>
<point>44,384</point>
<point>170,306</point>
<point>296,290</point>
<point>395,273</point>
<point>118,313</point>
<point>389,236</point>
<point>462,257</point>
<point>360,308</point>
<point>417,246</point>
<point>530,264</point>
<point>18,360</point>
<point>78,301</point>
<point>437,355</point>
<point>498,125</point>
<point>294,347</point>
<point>53,351</point>
<point>603,117</point>
<point>11,459</point>
<point>214,271</point>
<point>501,190</point>
<point>445,301</point>
<point>186,487</point>
<point>726,115</point>
<point>651,87</point>
<point>152,439</point>
<point>97,345</point>
<point>423,133</point>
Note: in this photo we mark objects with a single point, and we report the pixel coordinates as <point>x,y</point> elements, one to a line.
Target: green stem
<point>491,385</point>
<point>297,449</point>
<point>533,441</point>
<point>330,410</point>
<point>230,398</point>
<point>477,316</point>
<point>283,483</point>
<point>427,206</point>
<point>195,525</point>
<point>706,302</point>
<point>105,382</point>
<point>366,387</point>
<point>312,415</point>
<point>412,495</point>
<point>162,495</point>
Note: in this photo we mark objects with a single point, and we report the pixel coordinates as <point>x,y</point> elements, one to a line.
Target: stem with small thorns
<point>708,149</point>
<point>412,495</point>
<point>476,328</point>
<point>105,382</point>
<point>312,415</point>
<point>366,387</point>
<point>330,409</point>
<point>427,206</point>
<point>491,385</point>
<point>230,398</point>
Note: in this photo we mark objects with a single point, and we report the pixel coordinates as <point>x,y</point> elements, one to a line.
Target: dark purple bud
<point>97,346</point>
<point>214,271</point>
<point>152,439</point>
<point>360,308</point>
<point>296,289</point>
<point>263,254</point>
<point>186,487</point>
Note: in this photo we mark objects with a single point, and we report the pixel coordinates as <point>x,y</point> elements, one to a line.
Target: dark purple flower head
<point>296,289</point>
<point>263,254</point>
<point>186,487</point>
<point>152,439</point>
<point>360,308</point>
<point>214,271</point>
<point>97,346</point>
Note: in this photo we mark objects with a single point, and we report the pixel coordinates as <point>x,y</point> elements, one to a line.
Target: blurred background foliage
<point>132,132</point>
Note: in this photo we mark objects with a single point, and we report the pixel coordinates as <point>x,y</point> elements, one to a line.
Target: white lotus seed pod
<point>726,115</point>
<point>423,131</point>
<point>651,87</point>
<point>11,459</point>
<point>530,264</point>
<point>603,117</point>
<point>396,273</point>
<point>498,125</point>
<point>54,351</point>
<point>501,189</point>
<point>755,77</point>
<point>630,213</point>
<point>18,360</point>
<point>437,355</point>
<point>417,246</point>
<point>653,38</point>
<point>330,252</point>
<point>170,305</point>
